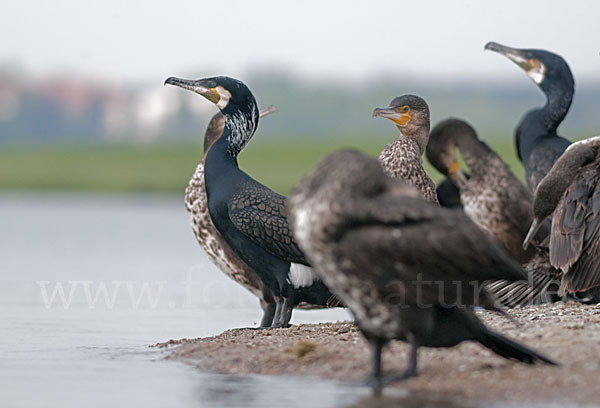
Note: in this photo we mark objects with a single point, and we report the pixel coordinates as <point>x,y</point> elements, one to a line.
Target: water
<point>88,283</point>
<point>131,275</point>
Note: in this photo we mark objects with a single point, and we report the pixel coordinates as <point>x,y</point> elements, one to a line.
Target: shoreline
<point>568,333</point>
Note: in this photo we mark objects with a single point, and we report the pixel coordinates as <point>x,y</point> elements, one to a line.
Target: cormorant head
<point>441,148</point>
<point>228,94</point>
<point>235,101</point>
<point>545,68</point>
<point>410,113</point>
<point>553,186</point>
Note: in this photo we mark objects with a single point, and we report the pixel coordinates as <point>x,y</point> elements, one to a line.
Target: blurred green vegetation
<point>167,168</point>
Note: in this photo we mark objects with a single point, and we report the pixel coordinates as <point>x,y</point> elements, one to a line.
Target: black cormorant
<point>251,218</point>
<point>406,268</point>
<point>210,239</point>
<point>403,157</point>
<point>448,194</point>
<point>570,194</point>
<point>538,144</point>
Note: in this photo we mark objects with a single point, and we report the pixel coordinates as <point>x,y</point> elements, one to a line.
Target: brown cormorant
<point>210,239</point>
<point>403,157</point>
<point>407,269</point>
<point>538,144</point>
<point>250,217</point>
<point>495,200</point>
<point>493,197</point>
<point>570,194</point>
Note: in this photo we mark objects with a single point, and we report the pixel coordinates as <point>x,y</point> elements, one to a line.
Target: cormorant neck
<point>542,123</point>
<point>474,152</point>
<point>240,125</point>
<point>220,168</point>
<point>418,134</point>
<point>555,183</point>
<point>558,102</point>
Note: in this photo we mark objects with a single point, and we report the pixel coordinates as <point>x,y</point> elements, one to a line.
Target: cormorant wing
<point>518,209</point>
<point>407,241</point>
<point>575,236</point>
<point>261,215</point>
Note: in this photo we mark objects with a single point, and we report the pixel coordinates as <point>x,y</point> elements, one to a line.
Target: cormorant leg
<point>268,315</point>
<point>411,370</point>
<point>277,313</point>
<point>375,380</point>
<point>285,313</point>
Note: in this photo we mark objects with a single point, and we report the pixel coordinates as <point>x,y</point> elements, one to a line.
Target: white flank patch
<point>301,224</point>
<point>301,275</point>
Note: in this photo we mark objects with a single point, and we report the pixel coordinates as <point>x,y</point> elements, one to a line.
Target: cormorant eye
<point>405,109</point>
<point>213,84</point>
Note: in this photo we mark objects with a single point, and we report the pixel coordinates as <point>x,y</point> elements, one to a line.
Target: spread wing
<point>261,215</point>
<point>425,244</point>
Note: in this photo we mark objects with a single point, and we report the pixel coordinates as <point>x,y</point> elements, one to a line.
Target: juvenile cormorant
<point>570,194</point>
<point>251,218</point>
<point>403,157</point>
<point>538,144</point>
<point>407,269</point>
<point>496,201</point>
<point>210,239</point>
<point>493,197</point>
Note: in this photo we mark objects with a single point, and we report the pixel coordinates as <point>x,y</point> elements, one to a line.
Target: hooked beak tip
<point>489,46</point>
<point>169,81</point>
<point>535,226</point>
<point>378,112</point>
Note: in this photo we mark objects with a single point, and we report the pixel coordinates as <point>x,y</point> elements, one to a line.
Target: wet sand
<point>569,333</point>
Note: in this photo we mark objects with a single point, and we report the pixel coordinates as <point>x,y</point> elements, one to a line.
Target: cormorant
<point>403,157</point>
<point>448,194</point>
<point>538,144</point>
<point>210,239</point>
<point>496,201</point>
<point>407,269</point>
<point>570,194</point>
<point>493,197</point>
<point>252,218</point>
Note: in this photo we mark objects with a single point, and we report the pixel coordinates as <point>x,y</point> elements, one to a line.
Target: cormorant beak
<point>200,86</point>
<point>456,174</point>
<point>400,119</point>
<point>267,111</point>
<point>534,68</point>
<point>517,56</point>
<point>535,227</point>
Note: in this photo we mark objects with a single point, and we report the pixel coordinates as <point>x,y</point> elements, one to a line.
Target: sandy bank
<point>569,333</point>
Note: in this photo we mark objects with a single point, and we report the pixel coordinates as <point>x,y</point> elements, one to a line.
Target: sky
<point>339,39</point>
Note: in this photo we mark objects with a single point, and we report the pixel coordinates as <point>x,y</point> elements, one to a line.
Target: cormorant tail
<point>510,349</point>
<point>520,293</point>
